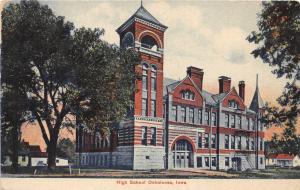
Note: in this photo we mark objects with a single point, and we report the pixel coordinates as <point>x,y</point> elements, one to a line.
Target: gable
<point>187,85</point>
<point>233,96</point>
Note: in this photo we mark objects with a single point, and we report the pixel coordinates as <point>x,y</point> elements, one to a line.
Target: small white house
<point>283,160</point>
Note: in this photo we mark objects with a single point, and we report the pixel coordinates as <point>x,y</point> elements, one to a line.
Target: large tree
<point>278,40</point>
<point>64,71</point>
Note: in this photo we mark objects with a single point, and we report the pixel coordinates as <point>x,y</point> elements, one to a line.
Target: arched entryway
<point>183,156</point>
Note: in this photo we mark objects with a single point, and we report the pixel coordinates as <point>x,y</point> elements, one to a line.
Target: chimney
<point>196,75</point>
<point>224,84</point>
<point>242,89</point>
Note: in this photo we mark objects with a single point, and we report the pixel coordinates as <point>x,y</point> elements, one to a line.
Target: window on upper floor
<point>233,104</point>
<point>149,42</point>
<point>239,122</point>
<point>232,142</point>
<point>239,142</point>
<point>206,116</point>
<point>248,123</point>
<point>247,143</point>
<point>144,107</point>
<point>174,113</point>
<point>153,108</point>
<point>261,144</point>
<point>226,142</point>
<point>187,95</point>
<point>232,119</point>
<point>213,141</point>
<point>199,116</point>
<point>199,140</point>
<point>252,124</point>
<point>226,120</point>
<point>183,114</point>
<point>191,115</point>
<point>252,144</point>
<point>153,78</point>
<point>214,119</point>
<point>206,140</point>
<point>145,77</point>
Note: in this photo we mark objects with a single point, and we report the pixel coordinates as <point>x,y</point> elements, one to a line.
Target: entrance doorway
<point>182,154</point>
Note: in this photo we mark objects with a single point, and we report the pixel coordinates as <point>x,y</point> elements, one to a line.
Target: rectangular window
<point>227,161</point>
<point>23,158</point>
<point>213,161</point>
<point>199,140</point>
<point>232,142</point>
<point>191,115</point>
<point>248,123</point>
<point>226,120</point>
<point>239,142</point>
<point>213,119</point>
<point>261,161</point>
<point>261,144</point>
<point>247,143</point>
<point>200,116</point>
<point>144,135</point>
<point>206,140</point>
<point>153,108</point>
<point>199,162</point>
<point>252,124</point>
<point>226,141</point>
<point>206,118</point>
<point>174,113</point>
<point>232,121</point>
<point>183,114</point>
<point>145,81</point>
<point>239,122</point>
<point>153,136</point>
<point>144,107</point>
<point>252,144</point>
<point>213,141</point>
<point>206,161</point>
<point>153,84</point>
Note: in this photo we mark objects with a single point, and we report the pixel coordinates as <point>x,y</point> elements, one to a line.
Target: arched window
<point>128,40</point>
<point>233,104</point>
<point>149,42</point>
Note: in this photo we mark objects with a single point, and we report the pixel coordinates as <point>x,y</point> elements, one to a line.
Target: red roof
<point>281,156</point>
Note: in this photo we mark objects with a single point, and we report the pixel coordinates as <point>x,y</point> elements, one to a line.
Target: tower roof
<point>257,102</point>
<point>143,14</point>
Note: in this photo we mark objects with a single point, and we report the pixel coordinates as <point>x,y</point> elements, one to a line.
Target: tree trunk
<point>51,149</point>
<point>15,148</point>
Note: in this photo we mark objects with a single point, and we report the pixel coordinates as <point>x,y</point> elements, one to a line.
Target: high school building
<point>176,124</point>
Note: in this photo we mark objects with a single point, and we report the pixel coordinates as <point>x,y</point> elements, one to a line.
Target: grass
<point>276,173</point>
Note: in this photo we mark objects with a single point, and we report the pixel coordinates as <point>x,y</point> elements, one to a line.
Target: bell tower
<point>145,34</point>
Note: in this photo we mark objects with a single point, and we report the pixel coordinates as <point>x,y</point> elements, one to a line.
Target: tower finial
<point>141,3</point>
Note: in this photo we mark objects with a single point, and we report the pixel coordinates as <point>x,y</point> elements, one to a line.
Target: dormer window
<point>187,95</point>
<point>233,104</point>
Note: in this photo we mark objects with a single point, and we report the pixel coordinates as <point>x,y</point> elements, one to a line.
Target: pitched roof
<point>281,156</point>
<point>170,84</point>
<point>143,14</point>
<point>257,102</point>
